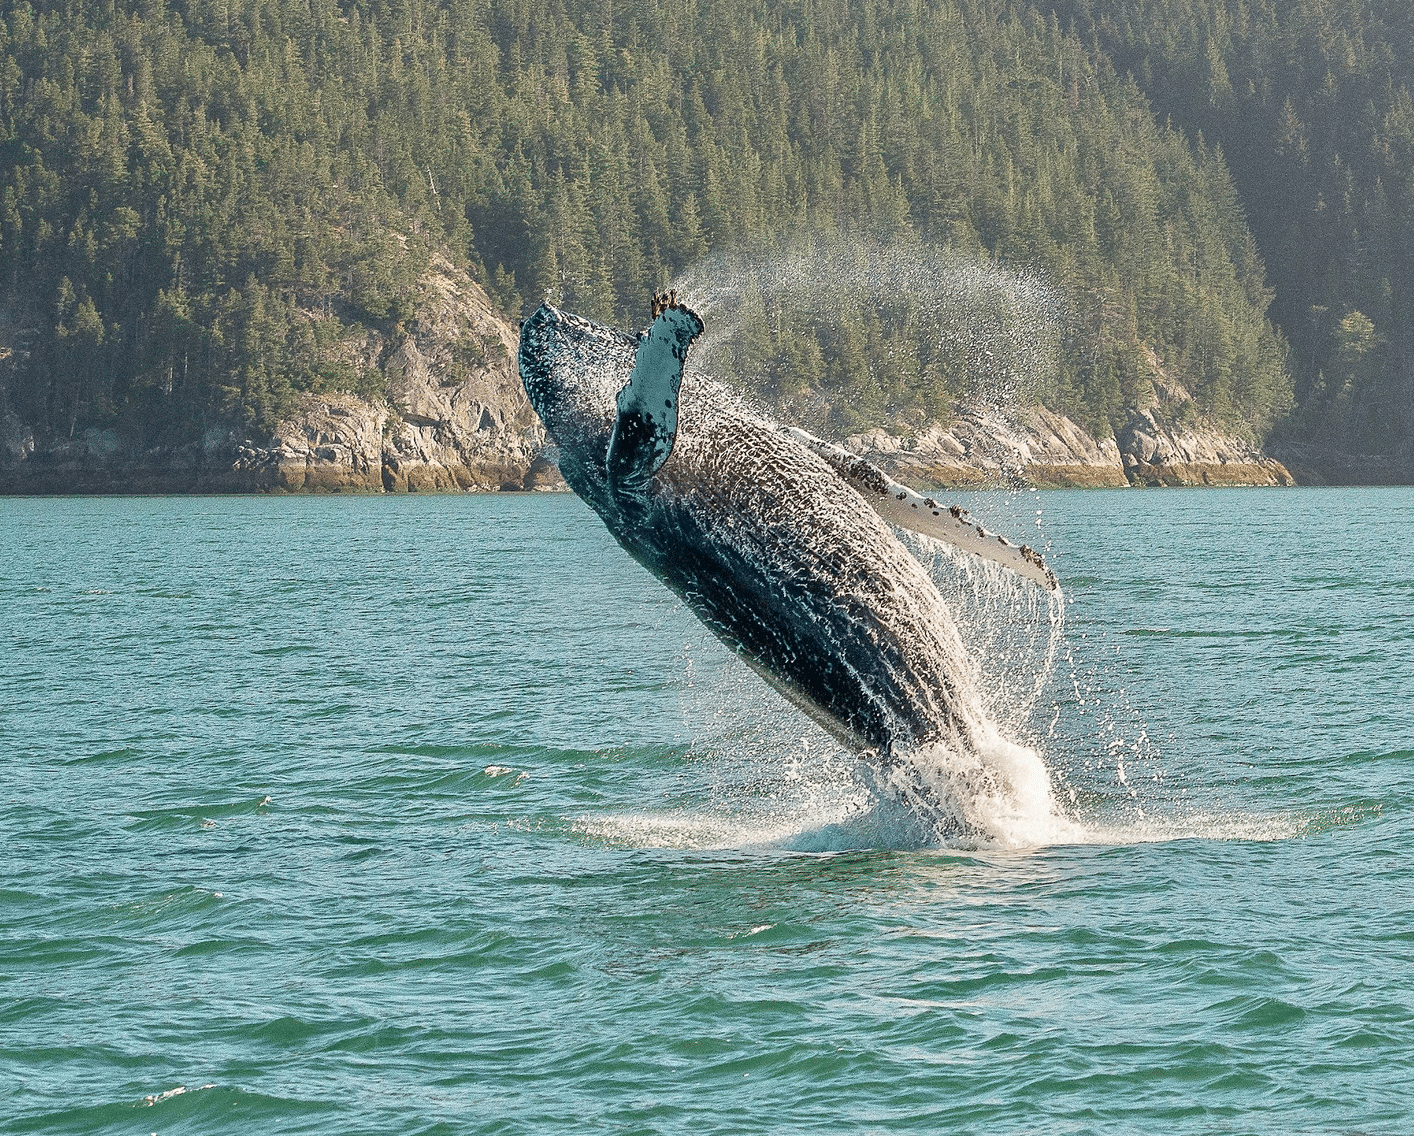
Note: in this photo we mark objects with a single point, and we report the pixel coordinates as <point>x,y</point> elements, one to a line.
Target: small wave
<point>205,1107</point>
<point>157,1098</point>
<point>1226,827</point>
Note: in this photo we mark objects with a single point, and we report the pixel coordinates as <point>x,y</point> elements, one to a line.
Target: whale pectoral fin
<point>901,506</point>
<point>647,422</point>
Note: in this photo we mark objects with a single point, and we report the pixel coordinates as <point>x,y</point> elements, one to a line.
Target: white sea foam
<point>1014,812</point>
<point>157,1098</point>
<point>1234,826</point>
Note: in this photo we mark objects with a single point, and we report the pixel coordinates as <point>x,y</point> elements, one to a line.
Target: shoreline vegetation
<point>261,246</point>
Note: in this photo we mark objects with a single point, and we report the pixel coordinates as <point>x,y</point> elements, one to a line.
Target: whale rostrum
<point>780,542</point>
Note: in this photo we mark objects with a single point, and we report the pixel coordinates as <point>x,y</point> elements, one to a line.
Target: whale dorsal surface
<point>647,422</point>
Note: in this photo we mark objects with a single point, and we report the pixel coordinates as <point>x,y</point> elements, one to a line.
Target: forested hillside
<point>201,201</point>
<point>1309,101</point>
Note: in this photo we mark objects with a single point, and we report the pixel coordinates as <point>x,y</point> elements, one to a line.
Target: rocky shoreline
<point>985,446</point>
<point>457,420</point>
<point>482,437</point>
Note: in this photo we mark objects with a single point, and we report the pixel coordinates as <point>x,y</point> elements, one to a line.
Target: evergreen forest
<point>200,198</point>
<point>1309,102</point>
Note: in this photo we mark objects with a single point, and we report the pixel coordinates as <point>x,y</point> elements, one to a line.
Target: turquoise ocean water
<point>438,815</point>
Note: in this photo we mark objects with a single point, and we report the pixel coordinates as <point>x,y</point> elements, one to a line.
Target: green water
<point>438,815</point>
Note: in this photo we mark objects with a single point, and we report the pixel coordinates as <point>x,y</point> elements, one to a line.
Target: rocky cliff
<point>986,446</point>
<point>454,418</point>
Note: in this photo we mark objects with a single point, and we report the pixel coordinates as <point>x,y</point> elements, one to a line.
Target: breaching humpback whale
<point>779,542</point>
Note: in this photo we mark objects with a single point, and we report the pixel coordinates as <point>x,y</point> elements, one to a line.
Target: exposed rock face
<point>440,430</point>
<point>456,418</point>
<point>984,447</point>
<point>334,443</point>
<point>1155,454</point>
<point>1034,446</point>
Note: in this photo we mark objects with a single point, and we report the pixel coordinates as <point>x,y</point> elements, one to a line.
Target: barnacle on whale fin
<point>664,301</point>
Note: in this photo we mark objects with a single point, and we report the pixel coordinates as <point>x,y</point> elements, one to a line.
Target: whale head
<point>609,400</point>
<point>573,370</point>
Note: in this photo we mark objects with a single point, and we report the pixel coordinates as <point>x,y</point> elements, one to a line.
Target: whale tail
<point>647,421</point>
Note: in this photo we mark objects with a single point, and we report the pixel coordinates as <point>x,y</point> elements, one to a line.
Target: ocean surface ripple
<point>438,815</point>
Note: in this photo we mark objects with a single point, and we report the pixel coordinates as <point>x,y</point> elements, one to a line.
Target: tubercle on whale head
<point>667,301</point>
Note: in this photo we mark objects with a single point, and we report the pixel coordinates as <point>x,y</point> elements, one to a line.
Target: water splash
<point>998,794</point>
<point>957,327</point>
<point>1013,630</point>
<point>774,780</point>
<point>993,335</point>
<point>1002,792</point>
<point>1012,787</point>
